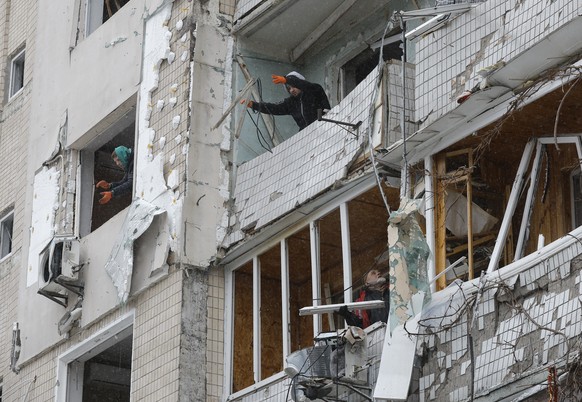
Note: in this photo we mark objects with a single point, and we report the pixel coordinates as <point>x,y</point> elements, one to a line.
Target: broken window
<point>277,283</point>
<point>576,185</point>
<point>99,11</point>
<point>16,74</point>
<point>468,210</point>
<point>497,205</point>
<point>359,67</point>
<point>97,164</point>
<point>104,372</point>
<point>6,226</point>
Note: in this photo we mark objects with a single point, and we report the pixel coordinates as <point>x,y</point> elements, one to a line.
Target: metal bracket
<point>343,123</point>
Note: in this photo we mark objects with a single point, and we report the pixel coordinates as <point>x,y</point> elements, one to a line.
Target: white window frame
<point>311,221</point>
<point>86,163</point>
<point>95,344</point>
<point>9,216</point>
<point>17,65</point>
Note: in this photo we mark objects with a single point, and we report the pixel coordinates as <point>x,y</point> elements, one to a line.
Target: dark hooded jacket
<point>302,108</point>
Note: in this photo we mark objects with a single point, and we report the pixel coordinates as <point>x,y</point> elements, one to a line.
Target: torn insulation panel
<point>149,177</point>
<point>409,253</point>
<point>119,266</point>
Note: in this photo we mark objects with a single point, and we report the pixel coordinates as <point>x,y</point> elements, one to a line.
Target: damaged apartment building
<point>450,159</point>
<point>458,119</point>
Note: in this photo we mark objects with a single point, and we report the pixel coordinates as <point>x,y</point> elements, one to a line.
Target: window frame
<point>18,60</point>
<point>86,166</point>
<point>92,16</point>
<point>90,347</point>
<point>8,216</point>
<point>341,203</point>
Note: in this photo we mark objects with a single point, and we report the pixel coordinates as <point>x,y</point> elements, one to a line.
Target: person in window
<point>375,288</point>
<point>306,97</point>
<point>123,157</point>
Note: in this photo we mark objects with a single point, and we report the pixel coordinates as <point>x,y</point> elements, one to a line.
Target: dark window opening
<point>99,11</point>
<point>110,7</point>
<point>107,376</point>
<point>6,226</point>
<point>358,68</point>
<point>577,198</point>
<point>106,169</point>
<point>97,164</point>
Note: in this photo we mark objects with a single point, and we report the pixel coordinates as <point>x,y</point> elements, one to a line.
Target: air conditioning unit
<point>59,269</point>
<point>335,365</point>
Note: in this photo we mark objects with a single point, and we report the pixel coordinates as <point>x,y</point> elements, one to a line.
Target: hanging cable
<point>260,136</point>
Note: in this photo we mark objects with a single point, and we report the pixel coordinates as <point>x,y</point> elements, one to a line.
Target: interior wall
<point>243,328</point>
<point>300,289</point>
<point>551,215</point>
<point>271,313</point>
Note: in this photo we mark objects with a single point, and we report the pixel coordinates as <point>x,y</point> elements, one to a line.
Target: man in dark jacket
<point>306,97</point>
<point>123,157</point>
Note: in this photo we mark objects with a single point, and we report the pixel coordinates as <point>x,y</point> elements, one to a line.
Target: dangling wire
<point>260,136</point>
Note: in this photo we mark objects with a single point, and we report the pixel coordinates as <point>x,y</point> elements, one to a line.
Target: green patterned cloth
<point>409,253</point>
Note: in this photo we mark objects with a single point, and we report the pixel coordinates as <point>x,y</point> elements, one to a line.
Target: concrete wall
<point>497,30</point>
<point>208,163</point>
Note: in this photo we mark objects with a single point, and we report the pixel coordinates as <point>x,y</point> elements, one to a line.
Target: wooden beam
<point>465,246</point>
<point>267,118</point>
<point>234,103</point>
<point>327,23</point>
<point>440,221</point>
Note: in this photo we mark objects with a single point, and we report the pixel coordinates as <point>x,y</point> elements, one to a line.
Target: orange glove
<point>103,184</point>
<point>105,197</point>
<point>278,79</point>
<point>249,103</point>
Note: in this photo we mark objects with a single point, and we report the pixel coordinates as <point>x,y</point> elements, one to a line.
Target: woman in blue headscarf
<point>123,158</point>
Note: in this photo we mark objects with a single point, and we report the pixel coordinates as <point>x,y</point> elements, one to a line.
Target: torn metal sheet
<point>119,266</point>
<point>409,254</point>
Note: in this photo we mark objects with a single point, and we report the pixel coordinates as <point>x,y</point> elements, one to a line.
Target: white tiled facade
<point>513,336</point>
<point>496,30</point>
